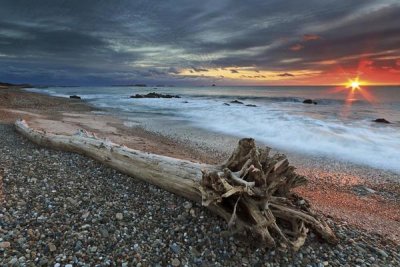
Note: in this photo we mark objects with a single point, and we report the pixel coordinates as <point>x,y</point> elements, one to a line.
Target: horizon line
<point>239,85</point>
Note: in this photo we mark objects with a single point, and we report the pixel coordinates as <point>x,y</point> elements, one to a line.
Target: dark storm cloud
<point>371,31</point>
<point>123,41</point>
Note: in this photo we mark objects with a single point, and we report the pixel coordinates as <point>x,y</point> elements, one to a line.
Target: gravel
<point>62,209</point>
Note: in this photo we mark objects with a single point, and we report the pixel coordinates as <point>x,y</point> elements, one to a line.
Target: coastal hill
<point>4,85</point>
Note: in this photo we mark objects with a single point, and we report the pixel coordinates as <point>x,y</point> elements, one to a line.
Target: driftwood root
<point>255,188</point>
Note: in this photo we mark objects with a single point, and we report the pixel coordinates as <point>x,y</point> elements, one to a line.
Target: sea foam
<point>280,119</point>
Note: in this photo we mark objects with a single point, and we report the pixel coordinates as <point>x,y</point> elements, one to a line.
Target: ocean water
<point>340,126</point>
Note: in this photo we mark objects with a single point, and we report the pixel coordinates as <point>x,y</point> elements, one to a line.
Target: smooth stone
<point>119,216</point>
<point>44,262</point>
<point>192,212</point>
<point>13,262</point>
<point>78,245</point>
<point>175,262</point>
<point>187,205</point>
<point>381,252</point>
<point>358,260</point>
<point>372,191</point>
<point>360,249</point>
<point>5,244</point>
<point>52,247</point>
<point>302,202</point>
<point>104,233</point>
<point>41,218</point>
<point>72,201</point>
<point>85,226</point>
<point>175,248</point>
<point>85,215</point>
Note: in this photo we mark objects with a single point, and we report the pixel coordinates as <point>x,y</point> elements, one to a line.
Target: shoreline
<point>343,192</point>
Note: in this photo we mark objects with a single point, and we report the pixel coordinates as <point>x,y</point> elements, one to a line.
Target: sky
<point>181,42</point>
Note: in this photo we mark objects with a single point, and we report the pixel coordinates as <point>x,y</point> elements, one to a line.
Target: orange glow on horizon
<point>334,76</point>
<point>368,68</point>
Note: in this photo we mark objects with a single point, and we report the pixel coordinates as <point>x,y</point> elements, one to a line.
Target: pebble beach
<point>62,209</point>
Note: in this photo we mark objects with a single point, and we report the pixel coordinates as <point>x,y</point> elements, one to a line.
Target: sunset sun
<point>353,84</point>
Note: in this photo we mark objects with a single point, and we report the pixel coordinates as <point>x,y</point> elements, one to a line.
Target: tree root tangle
<point>255,188</point>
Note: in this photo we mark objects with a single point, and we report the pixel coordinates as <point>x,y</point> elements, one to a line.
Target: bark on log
<point>251,190</point>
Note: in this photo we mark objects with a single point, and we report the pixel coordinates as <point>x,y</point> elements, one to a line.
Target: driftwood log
<point>251,190</point>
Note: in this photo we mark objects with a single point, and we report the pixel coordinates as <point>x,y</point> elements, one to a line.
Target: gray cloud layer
<point>94,42</point>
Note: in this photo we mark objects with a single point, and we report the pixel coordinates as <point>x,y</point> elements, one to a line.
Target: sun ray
<point>354,84</point>
<point>355,87</point>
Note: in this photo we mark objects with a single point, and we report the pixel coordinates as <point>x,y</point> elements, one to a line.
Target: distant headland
<point>4,85</point>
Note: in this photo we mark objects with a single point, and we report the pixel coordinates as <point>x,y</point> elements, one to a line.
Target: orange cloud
<point>286,74</point>
<point>310,37</point>
<point>296,47</point>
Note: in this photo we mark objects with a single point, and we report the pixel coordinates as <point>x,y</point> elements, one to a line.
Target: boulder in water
<point>251,105</point>
<point>236,102</point>
<point>75,97</point>
<point>382,120</point>
<point>136,96</point>
<point>154,95</point>
<point>309,101</point>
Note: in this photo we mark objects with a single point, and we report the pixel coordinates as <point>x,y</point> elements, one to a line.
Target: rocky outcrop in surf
<point>154,95</point>
<point>382,120</point>
<point>310,101</point>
